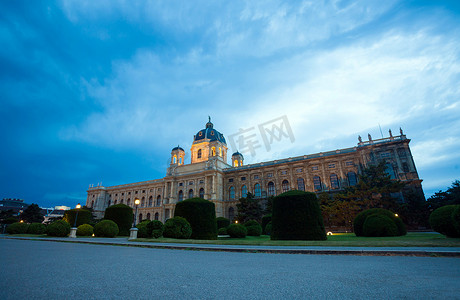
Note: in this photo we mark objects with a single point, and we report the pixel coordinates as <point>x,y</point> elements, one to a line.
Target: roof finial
<point>209,117</point>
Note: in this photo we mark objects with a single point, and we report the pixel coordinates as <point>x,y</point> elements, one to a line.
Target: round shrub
<point>222,222</point>
<point>58,228</point>
<point>84,216</point>
<point>36,228</point>
<point>122,215</point>
<point>268,228</point>
<point>143,231</point>
<point>237,231</point>
<point>106,228</point>
<point>296,215</point>
<point>265,220</point>
<point>441,220</point>
<point>17,228</point>
<point>85,230</point>
<point>358,223</point>
<point>379,225</point>
<point>253,227</point>
<point>155,228</point>
<point>456,218</point>
<point>177,228</point>
<point>201,214</point>
<point>222,231</point>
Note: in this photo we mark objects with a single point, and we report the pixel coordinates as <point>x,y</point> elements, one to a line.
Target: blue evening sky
<point>100,91</point>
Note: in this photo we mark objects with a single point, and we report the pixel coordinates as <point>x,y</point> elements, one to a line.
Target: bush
<point>155,228</point>
<point>122,215</point>
<point>17,228</point>
<point>456,218</point>
<point>253,227</point>
<point>222,231</point>
<point>177,228</point>
<point>201,214</point>
<point>143,230</point>
<point>442,221</point>
<point>296,215</point>
<point>10,220</point>
<point>360,219</point>
<point>222,222</point>
<point>237,231</point>
<point>265,220</point>
<point>58,228</point>
<point>84,216</point>
<point>268,228</point>
<point>36,228</point>
<point>379,225</point>
<point>85,230</point>
<point>106,228</point>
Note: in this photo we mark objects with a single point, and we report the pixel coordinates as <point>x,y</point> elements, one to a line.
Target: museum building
<point>209,176</point>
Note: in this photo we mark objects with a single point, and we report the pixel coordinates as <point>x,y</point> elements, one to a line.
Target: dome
<point>210,134</point>
<point>177,148</point>
<point>237,154</point>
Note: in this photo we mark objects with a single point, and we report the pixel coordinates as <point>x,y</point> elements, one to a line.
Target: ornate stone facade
<point>210,177</point>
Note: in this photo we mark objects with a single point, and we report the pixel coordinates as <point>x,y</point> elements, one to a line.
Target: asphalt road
<point>51,270</point>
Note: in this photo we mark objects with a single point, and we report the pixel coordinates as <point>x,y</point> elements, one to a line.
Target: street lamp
<point>133,231</point>
<point>76,216</point>
<point>136,203</point>
<point>73,230</point>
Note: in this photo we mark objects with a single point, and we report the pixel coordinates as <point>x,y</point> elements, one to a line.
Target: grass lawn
<point>336,240</point>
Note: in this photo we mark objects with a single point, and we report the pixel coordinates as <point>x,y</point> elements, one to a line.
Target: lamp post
<point>73,230</point>
<point>133,230</point>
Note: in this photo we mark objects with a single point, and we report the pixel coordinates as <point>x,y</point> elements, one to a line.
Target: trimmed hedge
<point>265,220</point>
<point>201,214</point>
<point>296,215</point>
<point>442,221</point>
<point>36,228</point>
<point>253,227</point>
<point>122,215</point>
<point>106,228</point>
<point>143,231</point>
<point>85,230</point>
<point>379,225</point>
<point>84,216</point>
<point>222,222</point>
<point>360,219</point>
<point>456,218</point>
<point>237,231</point>
<point>222,231</point>
<point>177,228</point>
<point>17,228</point>
<point>268,228</point>
<point>58,228</point>
<point>155,228</point>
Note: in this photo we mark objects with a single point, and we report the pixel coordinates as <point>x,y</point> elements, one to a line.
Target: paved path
<point>47,270</point>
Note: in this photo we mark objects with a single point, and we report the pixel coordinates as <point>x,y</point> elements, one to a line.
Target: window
<point>371,156</point>
<point>256,176</point>
<point>143,191</point>
<point>167,214</point>
<point>334,182</point>
<point>299,170</point>
<point>140,218</point>
<point>135,192</point>
<point>148,216</point>
<point>331,166</point>
<point>190,193</point>
<point>402,153</point>
<point>92,203</point>
<point>285,185</point>
<point>244,191</point>
<point>199,153</point>
<point>158,200</point>
<point>317,183</point>
<point>116,195</point>
<point>352,179</point>
<point>174,159</point>
<point>181,184</point>
<point>243,178</point>
<point>108,204</point>
<point>235,163</point>
<point>220,151</point>
<point>315,168</point>
<point>121,201</point>
<point>180,197</point>
<point>390,171</point>
<point>122,194</point>
<point>190,183</point>
<point>128,202</point>
<point>231,214</point>
<point>230,180</point>
<point>300,184</point>
<point>257,192</point>
<point>271,188</point>
<point>349,163</point>
<point>213,151</point>
<point>385,155</point>
<point>201,181</point>
<point>115,202</point>
<point>284,172</point>
<point>143,202</point>
<point>405,167</point>
<point>129,193</point>
<point>202,193</point>
<point>157,216</point>
<point>269,175</point>
<point>180,160</point>
<point>232,193</point>
<point>150,201</point>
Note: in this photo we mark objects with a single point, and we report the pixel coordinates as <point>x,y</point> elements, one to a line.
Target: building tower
<point>208,144</point>
<point>237,159</point>
<point>177,156</point>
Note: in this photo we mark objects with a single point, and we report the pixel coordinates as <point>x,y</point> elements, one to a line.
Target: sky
<point>99,92</point>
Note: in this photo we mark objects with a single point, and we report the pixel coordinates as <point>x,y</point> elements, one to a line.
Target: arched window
<point>143,202</point>
<point>317,183</point>
<point>148,216</point>
<point>92,203</point>
<point>334,182</point>
<point>213,151</point>
<point>257,192</point>
<point>231,214</point>
<point>390,171</point>
<point>128,202</point>
<point>140,218</point>
<point>352,179</point>
<point>158,200</point>
<point>190,194</point>
<point>180,197</point>
<point>108,204</point>
<point>271,188</point>
<point>180,160</point>
<point>150,202</point>
<point>157,216</point>
<point>121,201</point>
<point>285,185</point>
<point>244,191</point>
<point>115,202</point>
<point>167,214</point>
<point>174,159</point>
<point>202,193</point>
<point>235,163</point>
<point>231,193</point>
<point>220,151</point>
<point>199,153</point>
<point>300,184</point>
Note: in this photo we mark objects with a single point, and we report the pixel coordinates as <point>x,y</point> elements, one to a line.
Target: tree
<point>249,208</point>
<point>450,197</point>
<point>32,214</point>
